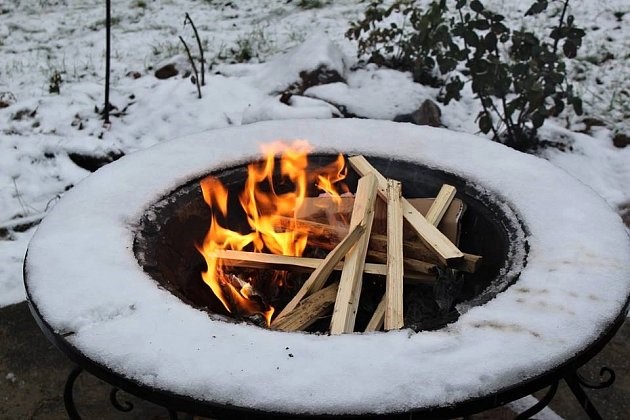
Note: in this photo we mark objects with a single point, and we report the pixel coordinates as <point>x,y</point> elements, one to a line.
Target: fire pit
<point>553,289</point>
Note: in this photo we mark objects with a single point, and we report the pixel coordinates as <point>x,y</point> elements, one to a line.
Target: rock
<point>6,99</point>
<point>322,75</point>
<point>429,113</point>
<point>178,64</point>
<point>166,72</point>
<point>136,74</point>
<point>95,161</point>
<point>315,62</point>
<point>621,140</point>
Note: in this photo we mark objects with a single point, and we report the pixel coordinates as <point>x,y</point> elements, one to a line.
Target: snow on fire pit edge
<point>83,277</point>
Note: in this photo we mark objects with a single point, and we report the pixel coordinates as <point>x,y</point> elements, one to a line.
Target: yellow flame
<point>262,205</point>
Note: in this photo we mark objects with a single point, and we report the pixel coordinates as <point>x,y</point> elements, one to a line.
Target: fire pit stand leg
<point>124,406</point>
<point>541,404</point>
<point>68,395</point>
<point>576,382</point>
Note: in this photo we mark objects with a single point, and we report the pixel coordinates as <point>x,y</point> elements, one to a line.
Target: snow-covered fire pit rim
<point>85,282</point>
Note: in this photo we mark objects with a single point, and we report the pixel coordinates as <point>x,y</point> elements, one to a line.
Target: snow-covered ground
<point>39,131</point>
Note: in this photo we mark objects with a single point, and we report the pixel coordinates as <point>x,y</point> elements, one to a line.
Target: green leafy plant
<point>404,36</point>
<point>519,79</point>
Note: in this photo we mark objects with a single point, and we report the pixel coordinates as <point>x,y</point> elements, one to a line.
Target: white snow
<point>375,93</point>
<point>38,130</point>
<point>576,282</point>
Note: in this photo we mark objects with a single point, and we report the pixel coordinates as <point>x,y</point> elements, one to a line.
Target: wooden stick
<point>446,251</point>
<point>345,311</point>
<point>376,322</point>
<point>284,262</point>
<point>409,264</point>
<point>319,234</point>
<point>309,310</point>
<point>440,205</point>
<point>394,280</point>
<point>326,236</point>
<point>318,278</point>
<point>417,251</point>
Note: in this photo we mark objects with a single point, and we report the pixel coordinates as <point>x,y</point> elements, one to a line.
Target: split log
<point>318,278</point>
<point>309,310</point>
<point>376,322</point>
<point>409,264</point>
<point>326,237</point>
<point>345,311</point>
<point>284,262</point>
<point>325,210</point>
<point>441,204</point>
<point>434,216</point>
<point>395,271</point>
<point>446,251</point>
<point>416,250</point>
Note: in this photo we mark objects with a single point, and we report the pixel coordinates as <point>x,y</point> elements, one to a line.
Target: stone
<point>178,64</point>
<point>429,113</point>
<point>621,140</point>
<point>166,72</point>
<point>92,162</point>
<point>6,99</point>
<point>322,75</point>
<point>135,74</point>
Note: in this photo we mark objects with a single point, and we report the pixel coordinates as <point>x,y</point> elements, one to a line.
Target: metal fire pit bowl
<point>169,230</point>
<point>92,298</point>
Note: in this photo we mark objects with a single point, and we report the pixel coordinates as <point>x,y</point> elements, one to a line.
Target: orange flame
<point>263,204</point>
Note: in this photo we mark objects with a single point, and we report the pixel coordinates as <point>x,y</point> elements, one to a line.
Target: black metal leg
<point>68,394</point>
<point>540,405</point>
<point>574,382</point>
<point>123,406</point>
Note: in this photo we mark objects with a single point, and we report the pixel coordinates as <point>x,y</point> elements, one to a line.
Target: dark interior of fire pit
<point>169,230</point>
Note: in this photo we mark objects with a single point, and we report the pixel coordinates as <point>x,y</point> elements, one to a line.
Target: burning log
<point>445,250</point>
<point>347,302</point>
<point>309,310</point>
<point>395,269</point>
<point>326,237</point>
<point>285,262</point>
<point>318,278</point>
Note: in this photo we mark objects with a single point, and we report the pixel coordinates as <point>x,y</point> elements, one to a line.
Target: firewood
<point>434,216</point>
<point>440,205</point>
<point>284,262</point>
<point>318,278</point>
<point>325,210</point>
<point>394,279</point>
<point>326,237</point>
<point>409,264</point>
<point>309,310</point>
<point>376,322</point>
<point>417,251</point>
<point>446,251</point>
<point>345,310</point>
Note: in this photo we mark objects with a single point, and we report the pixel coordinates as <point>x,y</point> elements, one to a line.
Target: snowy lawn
<point>40,131</point>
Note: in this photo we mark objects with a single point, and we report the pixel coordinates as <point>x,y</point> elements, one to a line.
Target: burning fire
<point>263,205</point>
